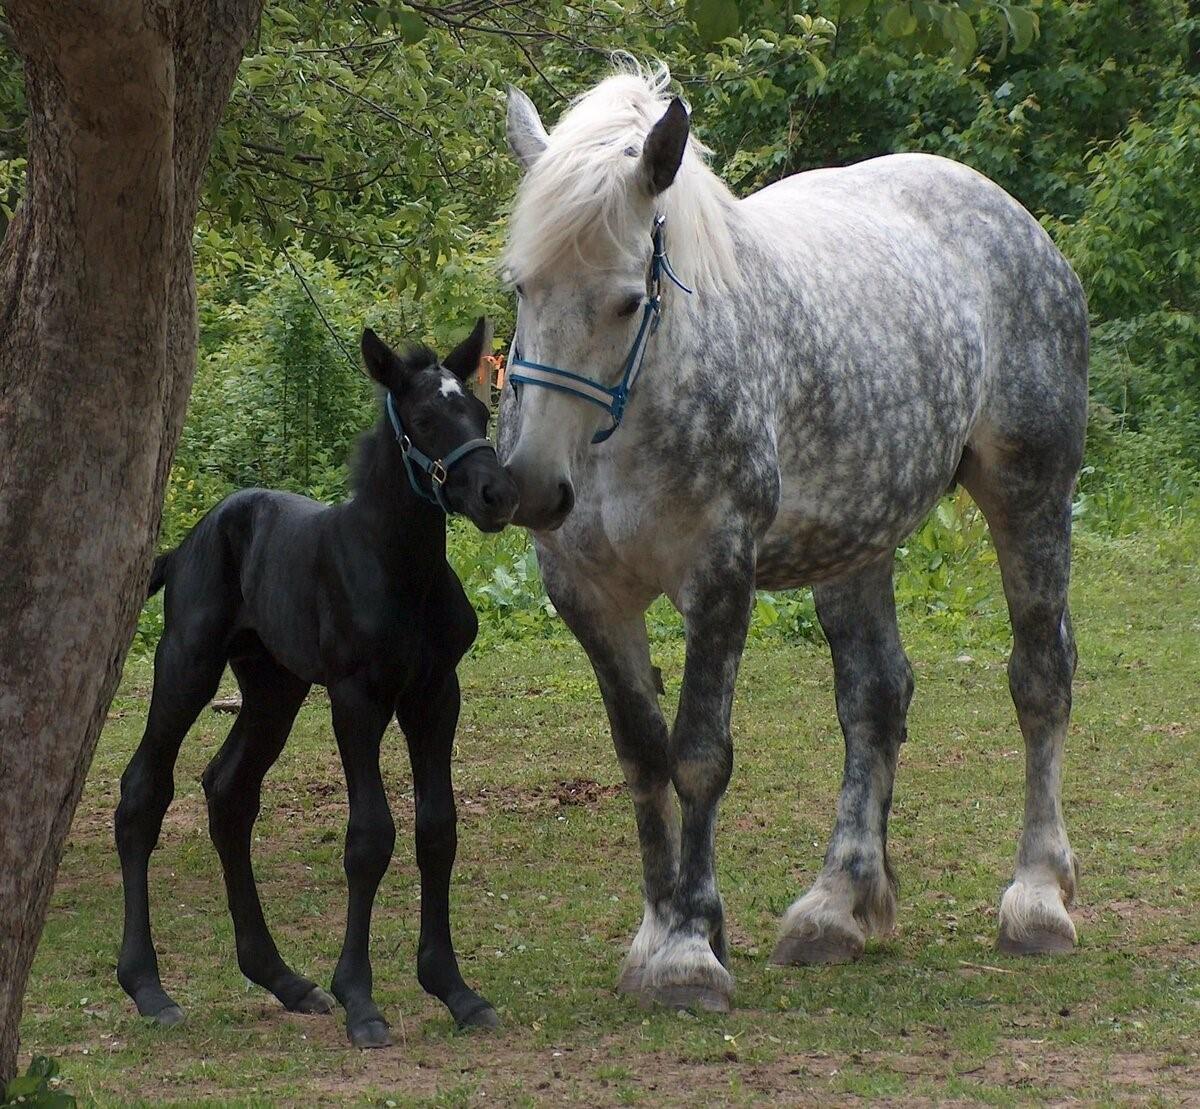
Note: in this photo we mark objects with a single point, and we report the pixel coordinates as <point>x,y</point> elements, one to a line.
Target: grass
<point>546,889</point>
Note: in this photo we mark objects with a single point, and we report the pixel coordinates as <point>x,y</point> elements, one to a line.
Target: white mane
<point>575,198</point>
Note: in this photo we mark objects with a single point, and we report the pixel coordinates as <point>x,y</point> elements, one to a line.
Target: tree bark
<point>97,354</point>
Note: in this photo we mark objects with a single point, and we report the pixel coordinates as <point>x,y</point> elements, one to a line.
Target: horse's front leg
<point>429,718</point>
<point>359,721</point>
<point>688,968</point>
<point>613,633</point>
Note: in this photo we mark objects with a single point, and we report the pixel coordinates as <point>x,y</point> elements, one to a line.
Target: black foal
<point>358,598</point>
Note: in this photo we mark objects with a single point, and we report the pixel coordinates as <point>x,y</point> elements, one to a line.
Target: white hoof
<point>651,935</point>
<point>684,973</point>
<point>817,929</point>
<point>1034,919</point>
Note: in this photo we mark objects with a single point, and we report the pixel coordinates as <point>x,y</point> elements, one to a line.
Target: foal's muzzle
<point>490,497</point>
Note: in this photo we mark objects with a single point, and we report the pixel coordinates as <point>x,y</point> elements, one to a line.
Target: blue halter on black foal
<point>436,469</point>
<point>611,398</point>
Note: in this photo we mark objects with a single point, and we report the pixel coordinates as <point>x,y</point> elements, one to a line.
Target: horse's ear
<point>390,369</point>
<point>463,360</point>
<point>662,152</point>
<point>527,137</point>
<point>379,358</point>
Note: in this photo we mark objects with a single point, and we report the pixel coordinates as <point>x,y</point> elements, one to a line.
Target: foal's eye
<point>629,306</point>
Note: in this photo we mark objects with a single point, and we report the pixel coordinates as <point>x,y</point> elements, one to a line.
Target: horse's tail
<point>158,576</point>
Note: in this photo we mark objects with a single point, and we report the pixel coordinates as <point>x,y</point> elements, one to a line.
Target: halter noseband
<point>438,469</point>
<point>611,399</point>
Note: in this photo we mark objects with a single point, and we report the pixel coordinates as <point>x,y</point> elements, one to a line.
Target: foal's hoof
<point>824,948</point>
<point>483,1017</point>
<point>703,998</point>
<point>167,1017</point>
<point>315,1001</point>
<point>371,1033</point>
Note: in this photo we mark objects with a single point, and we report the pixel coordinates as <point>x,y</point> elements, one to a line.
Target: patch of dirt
<point>1140,1076</point>
<point>583,792</point>
<point>1128,911</point>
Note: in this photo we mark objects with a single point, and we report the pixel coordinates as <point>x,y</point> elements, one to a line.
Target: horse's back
<point>228,554</point>
<point>936,229</point>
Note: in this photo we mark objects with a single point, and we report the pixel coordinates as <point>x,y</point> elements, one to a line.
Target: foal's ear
<point>527,137</point>
<point>663,149</point>
<point>463,360</point>
<point>390,369</point>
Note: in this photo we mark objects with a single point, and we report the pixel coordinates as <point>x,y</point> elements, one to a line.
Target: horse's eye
<point>631,305</point>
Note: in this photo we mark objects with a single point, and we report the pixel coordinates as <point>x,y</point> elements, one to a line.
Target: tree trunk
<point>97,353</point>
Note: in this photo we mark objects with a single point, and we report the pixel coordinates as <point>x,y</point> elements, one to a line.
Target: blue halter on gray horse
<point>849,344</point>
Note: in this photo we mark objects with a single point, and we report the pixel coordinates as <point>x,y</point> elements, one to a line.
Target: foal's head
<point>579,256</point>
<point>439,414</point>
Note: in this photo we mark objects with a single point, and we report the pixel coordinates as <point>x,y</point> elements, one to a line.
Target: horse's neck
<point>385,512</point>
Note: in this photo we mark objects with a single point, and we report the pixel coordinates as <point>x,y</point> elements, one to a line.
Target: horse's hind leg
<point>1030,520</point>
<point>855,894</point>
<point>187,670</point>
<point>271,697</point>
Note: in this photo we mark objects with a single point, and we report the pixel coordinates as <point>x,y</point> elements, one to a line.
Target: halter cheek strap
<point>612,399</point>
<point>437,470</point>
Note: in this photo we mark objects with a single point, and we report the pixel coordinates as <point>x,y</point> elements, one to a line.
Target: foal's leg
<point>688,967</point>
<point>615,641</point>
<point>855,894</point>
<point>187,670</point>
<point>1033,542</point>
<point>429,719</point>
<point>271,697</point>
<point>359,721</point>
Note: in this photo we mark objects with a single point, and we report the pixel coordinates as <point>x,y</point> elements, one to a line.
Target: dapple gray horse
<point>849,345</point>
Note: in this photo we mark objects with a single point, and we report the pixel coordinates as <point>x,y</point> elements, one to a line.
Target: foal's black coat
<point>358,598</point>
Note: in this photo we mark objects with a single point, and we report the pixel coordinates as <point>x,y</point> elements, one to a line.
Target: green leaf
<point>960,32</point>
<point>899,21</point>
<point>410,26</point>
<point>851,9</point>
<point>714,19</point>
<point>43,1066</point>
<point>22,1087</point>
<point>1024,26</point>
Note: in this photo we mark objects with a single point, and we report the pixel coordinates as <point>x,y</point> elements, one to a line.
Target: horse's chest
<point>400,635</point>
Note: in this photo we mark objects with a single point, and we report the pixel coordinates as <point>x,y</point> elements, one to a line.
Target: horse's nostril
<point>488,494</point>
<point>566,498</point>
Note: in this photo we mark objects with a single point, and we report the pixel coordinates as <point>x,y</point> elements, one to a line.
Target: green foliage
<point>38,1087</point>
<point>360,176</point>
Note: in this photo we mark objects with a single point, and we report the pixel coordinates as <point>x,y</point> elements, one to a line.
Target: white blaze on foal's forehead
<point>450,386</point>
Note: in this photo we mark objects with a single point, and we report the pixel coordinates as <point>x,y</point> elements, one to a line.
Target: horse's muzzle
<point>492,500</point>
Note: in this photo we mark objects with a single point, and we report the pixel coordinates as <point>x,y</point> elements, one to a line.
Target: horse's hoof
<point>631,980</point>
<point>704,998</point>
<point>167,1017</point>
<point>1034,920</point>
<point>371,1033</point>
<point>315,1001</point>
<point>1039,941</point>
<point>821,949</point>
<point>483,1017</point>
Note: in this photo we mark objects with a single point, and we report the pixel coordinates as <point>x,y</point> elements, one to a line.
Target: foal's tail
<point>158,576</point>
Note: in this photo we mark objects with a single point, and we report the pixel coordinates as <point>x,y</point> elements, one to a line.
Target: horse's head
<point>579,256</point>
<point>432,410</point>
